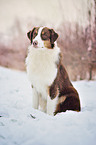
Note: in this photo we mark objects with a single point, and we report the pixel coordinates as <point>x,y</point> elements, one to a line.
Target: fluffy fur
<point>52,91</point>
<point>41,68</point>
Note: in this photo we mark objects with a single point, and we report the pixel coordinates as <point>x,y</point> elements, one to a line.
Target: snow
<point>18,127</point>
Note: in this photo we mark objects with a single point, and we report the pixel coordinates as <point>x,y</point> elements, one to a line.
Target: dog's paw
<point>53,92</point>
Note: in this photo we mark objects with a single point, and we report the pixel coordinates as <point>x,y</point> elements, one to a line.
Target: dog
<point>52,91</point>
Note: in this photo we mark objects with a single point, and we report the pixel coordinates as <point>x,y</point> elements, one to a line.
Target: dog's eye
<point>44,33</point>
<point>35,33</point>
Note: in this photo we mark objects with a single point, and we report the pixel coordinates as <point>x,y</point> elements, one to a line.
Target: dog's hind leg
<point>68,103</point>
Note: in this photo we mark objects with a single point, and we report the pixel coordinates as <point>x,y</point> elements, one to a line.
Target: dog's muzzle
<point>35,43</point>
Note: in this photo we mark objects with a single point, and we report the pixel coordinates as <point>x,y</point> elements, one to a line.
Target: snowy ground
<point>17,127</point>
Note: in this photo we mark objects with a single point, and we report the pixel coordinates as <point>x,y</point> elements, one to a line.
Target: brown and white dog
<point>52,91</point>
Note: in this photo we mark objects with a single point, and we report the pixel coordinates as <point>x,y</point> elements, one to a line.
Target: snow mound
<point>20,124</point>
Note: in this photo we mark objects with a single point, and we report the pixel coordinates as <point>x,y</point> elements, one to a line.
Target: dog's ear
<point>53,37</point>
<point>30,34</point>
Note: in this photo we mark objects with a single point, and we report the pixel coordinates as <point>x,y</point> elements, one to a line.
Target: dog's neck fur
<point>42,68</point>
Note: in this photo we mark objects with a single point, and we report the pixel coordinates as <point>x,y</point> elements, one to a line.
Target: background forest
<point>74,21</point>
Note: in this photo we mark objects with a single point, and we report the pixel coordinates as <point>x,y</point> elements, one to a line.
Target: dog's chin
<point>36,47</point>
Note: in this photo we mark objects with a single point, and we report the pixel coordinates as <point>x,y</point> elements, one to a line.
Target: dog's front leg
<point>35,98</point>
<point>51,105</point>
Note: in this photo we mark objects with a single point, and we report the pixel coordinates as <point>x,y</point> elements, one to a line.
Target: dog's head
<point>42,37</point>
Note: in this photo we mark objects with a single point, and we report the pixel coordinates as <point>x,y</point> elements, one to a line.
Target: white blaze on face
<point>38,39</point>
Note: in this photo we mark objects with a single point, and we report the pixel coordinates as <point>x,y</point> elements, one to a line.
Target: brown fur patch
<point>33,33</point>
<point>68,98</point>
<point>45,34</point>
<point>49,35</point>
<point>47,44</point>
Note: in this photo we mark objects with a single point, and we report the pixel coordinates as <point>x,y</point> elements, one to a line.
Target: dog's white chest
<point>41,68</point>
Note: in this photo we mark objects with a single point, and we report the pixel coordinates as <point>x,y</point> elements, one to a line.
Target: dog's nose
<point>35,43</point>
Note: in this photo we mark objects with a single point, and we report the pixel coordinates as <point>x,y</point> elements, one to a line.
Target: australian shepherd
<point>52,91</point>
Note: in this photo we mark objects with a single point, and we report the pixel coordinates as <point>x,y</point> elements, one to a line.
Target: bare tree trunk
<point>91,36</point>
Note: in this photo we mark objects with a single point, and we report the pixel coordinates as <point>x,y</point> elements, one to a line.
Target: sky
<point>51,11</point>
